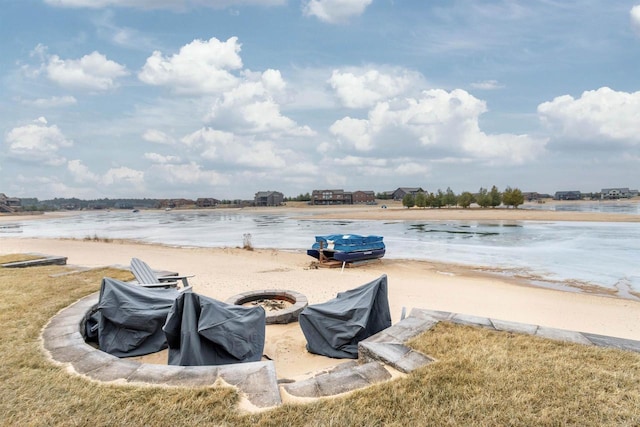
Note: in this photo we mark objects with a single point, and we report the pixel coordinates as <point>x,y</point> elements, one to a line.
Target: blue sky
<point>222,98</point>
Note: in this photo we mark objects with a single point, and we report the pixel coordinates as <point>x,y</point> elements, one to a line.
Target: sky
<point>224,98</point>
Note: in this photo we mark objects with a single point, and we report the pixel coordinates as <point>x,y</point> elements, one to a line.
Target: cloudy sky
<point>224,98</point>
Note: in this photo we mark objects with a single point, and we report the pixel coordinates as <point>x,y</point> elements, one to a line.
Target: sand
<point>223,272</point>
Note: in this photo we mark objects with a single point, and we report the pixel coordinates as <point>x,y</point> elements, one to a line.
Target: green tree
<point>449,198</point>
<point>408,200</point>
<point>465,199</point>
<point>483,198</point>
<point>421,200</point>
<point>512,197</point>
<point>496,197</point>
<point>430,200</point>
<point>438,199</point>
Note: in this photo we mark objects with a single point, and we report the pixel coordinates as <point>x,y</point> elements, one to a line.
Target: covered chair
<point>127,321</point>
<point>335,328</point>
<point>204,331</point>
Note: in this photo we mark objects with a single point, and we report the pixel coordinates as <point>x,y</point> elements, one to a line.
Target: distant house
<point>403,191</point>
<point>9,204</point>
<point>341,197</point>
<point>331,197</point>
<point>207,202</point>
<point>533,196</point>
<point>363,197</point>
<point>175,203</point>
<point>268,198</point>
<point>568,195</point>
<point>617,193</point>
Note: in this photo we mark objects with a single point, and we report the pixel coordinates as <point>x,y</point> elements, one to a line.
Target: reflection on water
<point>603,254</point>
<point>601,206</point>
<point>459,228</point>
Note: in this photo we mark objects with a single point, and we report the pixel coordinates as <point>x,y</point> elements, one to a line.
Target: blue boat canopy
<point>348,242</point>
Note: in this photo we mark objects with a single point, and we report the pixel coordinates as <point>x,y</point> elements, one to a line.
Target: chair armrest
<point>174,277</point>
<point>185,282</point>
<point>159,285</point>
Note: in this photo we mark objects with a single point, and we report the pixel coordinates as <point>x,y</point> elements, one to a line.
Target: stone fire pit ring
<point>287,315</point>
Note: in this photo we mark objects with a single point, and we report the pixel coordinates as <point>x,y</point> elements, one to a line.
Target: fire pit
<point>280,306</point>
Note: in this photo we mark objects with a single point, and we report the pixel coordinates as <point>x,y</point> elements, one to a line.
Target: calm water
<point>554,254</point>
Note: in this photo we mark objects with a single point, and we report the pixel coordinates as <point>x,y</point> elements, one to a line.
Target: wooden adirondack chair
<point>147,278</point>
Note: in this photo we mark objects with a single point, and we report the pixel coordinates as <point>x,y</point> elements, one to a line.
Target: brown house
<point>363,197</point>
<point>341,197</point>
<point>330,197</point>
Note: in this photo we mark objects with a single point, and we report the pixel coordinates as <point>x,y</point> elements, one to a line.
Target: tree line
<point>484,198</point>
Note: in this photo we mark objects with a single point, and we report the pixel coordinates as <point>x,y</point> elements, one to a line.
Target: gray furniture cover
<point>335,328</point>
<point>129,318</point>
<point>204,331</point>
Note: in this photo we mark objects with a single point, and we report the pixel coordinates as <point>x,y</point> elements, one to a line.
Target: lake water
<point>565,255</point>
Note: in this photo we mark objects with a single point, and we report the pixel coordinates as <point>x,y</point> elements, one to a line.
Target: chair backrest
<point>142,272</point>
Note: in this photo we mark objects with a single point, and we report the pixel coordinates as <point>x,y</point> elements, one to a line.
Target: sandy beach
<point>223,272</point>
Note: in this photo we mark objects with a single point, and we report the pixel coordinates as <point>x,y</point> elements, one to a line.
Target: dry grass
<point>6,259</point>
<point>96,238</point>
<point>481,378</point>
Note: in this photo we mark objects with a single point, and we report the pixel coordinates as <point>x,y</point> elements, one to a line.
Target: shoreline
<point>224,272</point>
<point>221,273</point>
<point>394,211</point>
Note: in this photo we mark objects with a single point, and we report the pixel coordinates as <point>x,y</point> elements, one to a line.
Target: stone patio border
<point>43,260</point>
<point>65,344</point>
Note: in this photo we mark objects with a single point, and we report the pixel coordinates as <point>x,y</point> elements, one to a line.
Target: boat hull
<point>348,256</point>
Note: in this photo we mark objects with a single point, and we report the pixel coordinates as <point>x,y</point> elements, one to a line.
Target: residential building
<point>207,202</point>
<point>331,197</point>
<point>568,195</point>
<point>9,204</point>
<point>363,197</point>
<point>403,191</point>
<point>532,196</point>
<point>268,198</point>
<point>617,193</point>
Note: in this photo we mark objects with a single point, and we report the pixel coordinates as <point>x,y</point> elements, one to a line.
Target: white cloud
<point>187,173</point>
<point>122,36</point>
<point>487,85</point>
<point>91,72</point>
<point>228,149</point>
<point>359,161</point>
<point>598,116</point>
<point>52,102</point>
<point>365,87</point>
<point>356,132</point>
<point>410,168</point>
<point>81,173</point>
<point>252,107</point>
<point>200,67</point>
<point>157,136</point>
<point>436,125</point>
<point>335,11</point>
<point>635,18</point>
<point>121,178</point>
<point>161,4</point>
<point>124,175</point>
<point>161,159</point>
<point>37,143</point>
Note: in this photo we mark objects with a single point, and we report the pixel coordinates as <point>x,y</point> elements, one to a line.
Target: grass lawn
<point>481,377</point>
